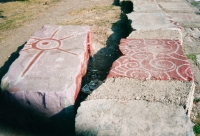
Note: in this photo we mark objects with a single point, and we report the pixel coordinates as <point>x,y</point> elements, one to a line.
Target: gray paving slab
<point>147,7</point>
<point>177,7</point>
<point>187,20</point>
<point>191,40</point>
<point>131,118</point>
<point>166,92</point>
<point>154,26</point>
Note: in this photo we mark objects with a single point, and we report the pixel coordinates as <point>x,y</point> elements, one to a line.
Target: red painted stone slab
<point>152,59</point>
<point>47,75</point>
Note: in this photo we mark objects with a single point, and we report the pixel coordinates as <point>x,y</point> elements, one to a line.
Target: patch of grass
<point>196,100</point>
<point>196,129</point>
<point>98,18</point>
<point>195,3</point>
<point>16,13</point>
<point>193,57</point>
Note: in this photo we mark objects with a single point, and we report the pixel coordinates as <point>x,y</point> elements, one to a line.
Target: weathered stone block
<point>131,118</point>
<point>186,19</point>
<point>147,7</point>
<point>167,92</point>
<point>154,26</point>
<point>47,75</point>
<point>177,7</point>
<point>157,59</point>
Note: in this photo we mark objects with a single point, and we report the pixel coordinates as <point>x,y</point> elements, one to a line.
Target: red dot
<point>45,43</point>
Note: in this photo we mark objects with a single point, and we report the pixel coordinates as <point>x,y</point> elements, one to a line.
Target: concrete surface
<point>47,75</point>
<point>154,26</point>
<point>152,59</point>
<point>191,40</point>
<point>147,7</point>
<point>187,20</point>
<point>198,59</point>
<point>166,92</point>
<point>131,118</point>
<point>176,7</point>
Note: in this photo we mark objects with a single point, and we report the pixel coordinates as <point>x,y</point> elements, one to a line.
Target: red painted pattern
<point>152,59</point>
<point>45,44</point>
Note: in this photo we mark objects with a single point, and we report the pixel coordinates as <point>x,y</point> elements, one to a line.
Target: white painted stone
<point>131,118</point>
<point>154,26</point>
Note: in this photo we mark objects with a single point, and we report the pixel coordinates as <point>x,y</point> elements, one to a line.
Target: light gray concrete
<point>154,26</point>
<point>176,92</point>
<point>186,20</point>
<point>176,7</point>
<point>131,118</point>
<point>147,7</point>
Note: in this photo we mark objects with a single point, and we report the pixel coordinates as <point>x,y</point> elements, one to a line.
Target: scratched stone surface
<point>147,7</point>
<point>152,59</point>
<point>114,117</point>
<point>186,19</point>
<point>176,7</point>
<point>47,75</point>
<point>154,26</point>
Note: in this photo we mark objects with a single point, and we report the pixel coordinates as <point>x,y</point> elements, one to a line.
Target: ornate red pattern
<point>152,59</point>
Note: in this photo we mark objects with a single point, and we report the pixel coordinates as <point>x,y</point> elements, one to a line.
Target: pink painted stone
<point>152,59</point>
<point>47,75</point>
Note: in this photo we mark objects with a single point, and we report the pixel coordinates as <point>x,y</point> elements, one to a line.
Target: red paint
<point>36,45</point>
<point>152,59</point>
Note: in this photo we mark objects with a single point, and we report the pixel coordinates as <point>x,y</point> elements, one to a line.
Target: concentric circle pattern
<point>158,59</point>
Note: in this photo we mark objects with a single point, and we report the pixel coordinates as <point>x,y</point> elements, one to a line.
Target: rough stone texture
<point>177,7</point>
<point>198,59</point>
<point>147,7</point>
<point>191,40</point>
<point>154,26</point>
<point>176,92</point>
<point>152,59</point>
<point>47,75</point>
<point>196,71</point>
<point>186,19</point>
<point>131,118</point>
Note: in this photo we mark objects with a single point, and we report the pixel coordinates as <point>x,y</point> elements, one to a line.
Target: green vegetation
<point>196,129</point>
<point>16,13</point>
<point>193,57</point>
<point>196,100</point>
<point>195,3</point>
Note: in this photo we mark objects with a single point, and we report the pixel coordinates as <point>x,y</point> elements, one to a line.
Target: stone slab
<point>154,26</point>
<point>191,40</point>
<point>177,7</point>
<point>166,92</point>
<point>198,59</point>
<point>147,7</point>
<point>131,118</point>
<point>186,19</point>
<point>152,59</point>
<point>47,75</point>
